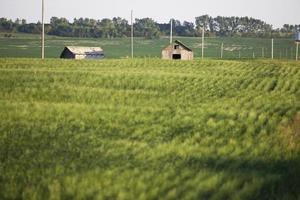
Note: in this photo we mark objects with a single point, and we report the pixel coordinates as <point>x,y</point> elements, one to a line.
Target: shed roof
<point>183,45</point>
<point>84,50</point>
<point>171,46</point>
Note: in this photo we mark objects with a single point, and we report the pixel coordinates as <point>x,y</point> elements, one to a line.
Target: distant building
<point>72,52</point>
<point>177,51</point>
<point>297,37</point>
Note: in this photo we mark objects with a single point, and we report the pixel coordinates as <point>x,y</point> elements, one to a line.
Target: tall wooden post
<point>171,31</point>
<point>222,49</point>
<point>43,31</point>
<point>203,30</point>
<point>131,33</point>
<point>297,50</point>
<point>272,49</point>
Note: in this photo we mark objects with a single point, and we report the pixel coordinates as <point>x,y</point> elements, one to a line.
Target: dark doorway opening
<point>176,56</point>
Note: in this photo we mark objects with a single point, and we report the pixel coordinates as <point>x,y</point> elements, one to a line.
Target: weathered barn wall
<point>80,53</point>
<point>170,53</point>
<point>67,54</point>
<point>80,57</point>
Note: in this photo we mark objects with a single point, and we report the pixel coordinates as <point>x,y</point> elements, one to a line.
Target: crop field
<point>149,129</point>
<point>28,45</point>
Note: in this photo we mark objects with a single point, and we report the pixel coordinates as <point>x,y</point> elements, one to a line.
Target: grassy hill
<point>26,45</point>
<point>149,129</point>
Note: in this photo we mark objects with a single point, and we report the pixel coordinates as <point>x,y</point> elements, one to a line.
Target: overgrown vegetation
<point>148,28</point>
<point>148,129</point>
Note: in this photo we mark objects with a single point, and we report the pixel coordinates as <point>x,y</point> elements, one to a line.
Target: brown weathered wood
<point>177,50</point>
<point>79,53</point>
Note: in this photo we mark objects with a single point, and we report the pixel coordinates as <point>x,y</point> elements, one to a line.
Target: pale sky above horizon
<point>275,12</point>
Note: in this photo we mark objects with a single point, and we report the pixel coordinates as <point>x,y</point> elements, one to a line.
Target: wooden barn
<point>177,51</point>
<point>72,52</point>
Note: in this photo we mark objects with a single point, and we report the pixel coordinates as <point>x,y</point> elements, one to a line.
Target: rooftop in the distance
<point>84,50</point>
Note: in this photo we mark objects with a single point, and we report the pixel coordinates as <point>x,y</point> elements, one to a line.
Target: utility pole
<point>272,48</point>
<point>222,48</point>
<point>297,50</point>
<point>171,31</point>
<point>262,52</point>
<point>239,54</point>
<point>43,30</point>
<point>131,33</point>
<point>203,30</point>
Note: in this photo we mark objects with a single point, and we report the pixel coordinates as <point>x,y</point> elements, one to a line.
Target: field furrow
<point>149,129</point>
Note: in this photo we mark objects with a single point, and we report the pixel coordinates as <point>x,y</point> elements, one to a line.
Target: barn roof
<point>183,45</point>
<point>84,50</point>
<point>179,43</point>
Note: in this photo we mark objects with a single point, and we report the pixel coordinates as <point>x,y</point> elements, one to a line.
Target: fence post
<point>280,55</point>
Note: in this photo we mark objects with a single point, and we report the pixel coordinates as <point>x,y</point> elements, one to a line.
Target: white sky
<point>276,12</point>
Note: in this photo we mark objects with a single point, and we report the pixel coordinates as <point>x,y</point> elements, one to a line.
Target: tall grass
<point>148,129</point>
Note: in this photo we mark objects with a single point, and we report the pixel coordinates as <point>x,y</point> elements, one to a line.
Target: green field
<point>26,45</point>
<point>149,129</point>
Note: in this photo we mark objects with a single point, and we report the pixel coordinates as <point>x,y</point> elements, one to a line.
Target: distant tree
<point>164,28</point>
<point>107,28</point>
<point>147,28</point>
<point>121,27</point>
<point>23,22</point>
<point>203,21</point>
<point>60,27</point>
<point>6,25</point>
<point>189,29</point>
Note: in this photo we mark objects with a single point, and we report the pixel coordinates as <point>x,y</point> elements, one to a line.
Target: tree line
<point>148,28</point>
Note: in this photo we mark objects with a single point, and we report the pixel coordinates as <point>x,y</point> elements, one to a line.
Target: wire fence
<point>246,48</point>
<point>214,48</point>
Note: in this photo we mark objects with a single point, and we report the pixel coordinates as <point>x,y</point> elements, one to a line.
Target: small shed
<point>79,53</point>
<point>177,51</point>
<point>297,36</point>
